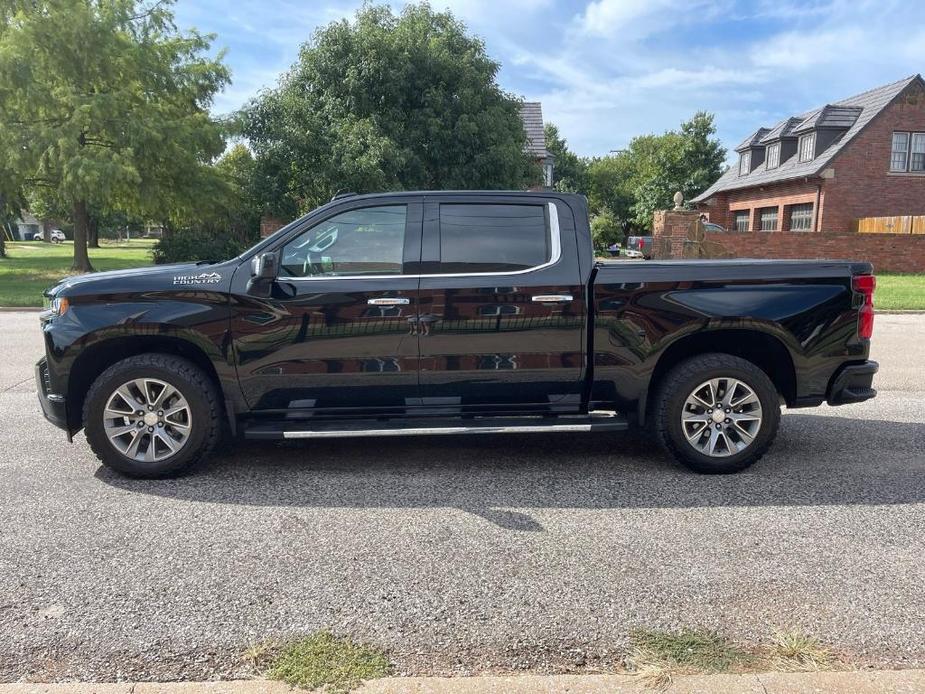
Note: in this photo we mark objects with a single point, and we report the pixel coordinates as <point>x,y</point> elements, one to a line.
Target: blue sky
<point>606,70</point>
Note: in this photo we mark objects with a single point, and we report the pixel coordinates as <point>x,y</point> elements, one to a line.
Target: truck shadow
<point>817,460</point>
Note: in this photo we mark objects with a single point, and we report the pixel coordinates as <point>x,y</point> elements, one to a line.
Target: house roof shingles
<point>781,130</point>
<point>531,112</point>
<point>752,139</point>
<point>852,113</point>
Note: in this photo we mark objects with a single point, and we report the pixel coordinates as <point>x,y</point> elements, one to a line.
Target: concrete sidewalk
<point>856,682</point>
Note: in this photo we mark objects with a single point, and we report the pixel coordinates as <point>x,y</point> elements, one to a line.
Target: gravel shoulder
<point>461,555</point>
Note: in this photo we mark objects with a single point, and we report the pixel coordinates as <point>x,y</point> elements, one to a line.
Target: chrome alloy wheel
<point>721,417</point>
<point>147,420</point>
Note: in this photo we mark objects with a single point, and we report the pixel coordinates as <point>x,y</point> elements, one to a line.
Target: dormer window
<point>773,157</point>
<point>807,147</point>
<point>745,163</point>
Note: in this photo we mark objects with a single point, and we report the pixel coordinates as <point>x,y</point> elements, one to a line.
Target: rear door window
<point>477,238</point>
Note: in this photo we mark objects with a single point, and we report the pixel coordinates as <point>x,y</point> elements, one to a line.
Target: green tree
<point>610,186</point>
<point>104,105</point>
<point>242,208</point>
<point>571,172</point>
<point>387,102</point>
<point>645,176</point>
<point>606,230</point>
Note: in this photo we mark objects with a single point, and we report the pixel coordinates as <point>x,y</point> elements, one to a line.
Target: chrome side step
<point>597,421</point>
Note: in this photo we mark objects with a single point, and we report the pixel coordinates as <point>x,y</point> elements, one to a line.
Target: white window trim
<point>812,215</point>
<point>746,159</point>
<point>767,156</point>
<point>910,138</point>
<point>776,219</point>
<point>808,137</point>
<point>748,220</point>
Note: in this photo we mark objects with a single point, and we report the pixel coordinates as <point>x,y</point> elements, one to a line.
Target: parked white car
<point>632,253</point>
<point>57,236</point>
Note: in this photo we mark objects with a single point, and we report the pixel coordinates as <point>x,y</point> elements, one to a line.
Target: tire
<point>736,444</point>
<point>189,418</point>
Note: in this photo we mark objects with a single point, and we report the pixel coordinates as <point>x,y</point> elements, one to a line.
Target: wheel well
<point>96,359</point>
<point>765,351</point>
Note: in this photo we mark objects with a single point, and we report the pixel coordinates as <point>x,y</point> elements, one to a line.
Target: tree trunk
<point>93,233</point>
<point>81,228</point>
<point>3,240</point>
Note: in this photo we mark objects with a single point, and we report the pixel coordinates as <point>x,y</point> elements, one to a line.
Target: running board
<point>596,421</point>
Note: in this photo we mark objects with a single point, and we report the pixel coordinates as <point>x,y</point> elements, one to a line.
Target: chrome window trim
<point>555,241</point>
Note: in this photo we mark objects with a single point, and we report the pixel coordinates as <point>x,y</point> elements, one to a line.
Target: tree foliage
<point>104,105</point>
<point>606,230</point>
<point>571,171</point>
<point>643,178</point>
<point>387,102</point>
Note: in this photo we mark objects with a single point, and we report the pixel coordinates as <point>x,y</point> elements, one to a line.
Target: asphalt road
<point>461,554</point>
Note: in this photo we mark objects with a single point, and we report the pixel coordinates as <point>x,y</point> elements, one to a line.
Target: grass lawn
<point>32,266</point>
<point>900,292</point>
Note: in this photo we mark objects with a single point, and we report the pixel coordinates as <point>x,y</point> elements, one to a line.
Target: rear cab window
<point>497,238</point>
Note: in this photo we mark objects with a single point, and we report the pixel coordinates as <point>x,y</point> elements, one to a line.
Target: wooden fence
<point>904,224</point>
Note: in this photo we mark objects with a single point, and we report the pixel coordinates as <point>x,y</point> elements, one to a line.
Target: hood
<point>203,274</point>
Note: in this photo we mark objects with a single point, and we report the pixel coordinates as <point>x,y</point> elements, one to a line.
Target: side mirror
<point>264,269</point>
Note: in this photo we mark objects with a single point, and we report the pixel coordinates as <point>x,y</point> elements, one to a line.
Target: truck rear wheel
<point>152,415</point>
<point>716,413</point>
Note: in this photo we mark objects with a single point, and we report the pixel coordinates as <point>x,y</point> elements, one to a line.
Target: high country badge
<point>202,278</point>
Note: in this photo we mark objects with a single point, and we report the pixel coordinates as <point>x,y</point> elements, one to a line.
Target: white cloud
<point>636,19</point>
<point>794,50</point>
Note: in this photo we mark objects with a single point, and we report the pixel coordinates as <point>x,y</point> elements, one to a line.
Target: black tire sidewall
<point>680,387</point>
<point>199,409</point>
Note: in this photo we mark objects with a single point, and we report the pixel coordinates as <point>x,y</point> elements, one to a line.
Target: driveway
<point>461,554</point>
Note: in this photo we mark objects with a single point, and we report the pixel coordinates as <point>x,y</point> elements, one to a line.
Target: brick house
<point>822,170</point>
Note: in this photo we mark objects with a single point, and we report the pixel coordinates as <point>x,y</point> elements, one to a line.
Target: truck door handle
<point>552,298</point>
<point>389,301</point>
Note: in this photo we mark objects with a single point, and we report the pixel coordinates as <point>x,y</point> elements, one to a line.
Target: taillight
<point>865,284</point>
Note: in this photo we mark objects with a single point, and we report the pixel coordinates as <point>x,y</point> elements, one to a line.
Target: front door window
<point>366,241</point>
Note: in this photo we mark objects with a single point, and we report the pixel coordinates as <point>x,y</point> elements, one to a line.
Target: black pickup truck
<point>449,313</point>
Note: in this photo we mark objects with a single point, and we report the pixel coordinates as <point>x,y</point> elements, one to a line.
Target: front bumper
<point>853,384</point>
<point>54,405</point>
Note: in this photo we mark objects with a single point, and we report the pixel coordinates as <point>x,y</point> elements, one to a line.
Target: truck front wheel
<point>716,413</point>
<point>152,415</point>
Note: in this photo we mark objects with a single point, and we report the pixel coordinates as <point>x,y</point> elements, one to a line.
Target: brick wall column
<point>671,229</point>
<point>270,225</point>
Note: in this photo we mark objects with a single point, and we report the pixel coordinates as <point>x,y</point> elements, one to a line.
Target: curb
<point>16,309</point>
<point>857,682</point>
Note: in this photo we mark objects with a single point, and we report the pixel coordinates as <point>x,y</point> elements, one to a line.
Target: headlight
<point>60,305</point>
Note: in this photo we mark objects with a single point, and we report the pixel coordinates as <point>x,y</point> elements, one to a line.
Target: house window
<point>768,218</point>
<point>745,163</point>
<point>907,152</point>
<point>917,163</point>
<point>899,153</point>
<point>801,217</point>
<point>741,220</point>
<point>773,160</point>
<point>807,147</point>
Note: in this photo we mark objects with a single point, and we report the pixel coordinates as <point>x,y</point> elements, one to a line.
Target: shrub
<point>193,244</point>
